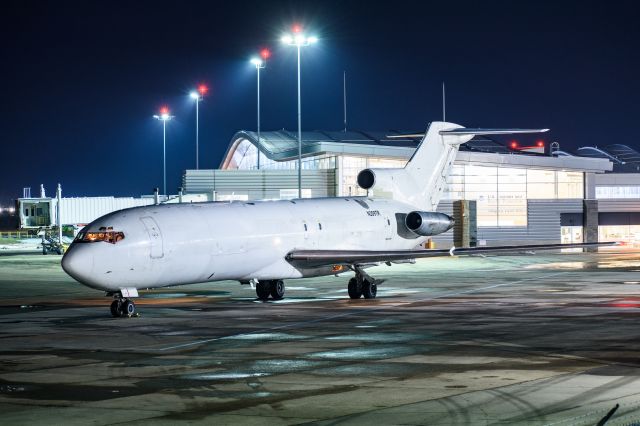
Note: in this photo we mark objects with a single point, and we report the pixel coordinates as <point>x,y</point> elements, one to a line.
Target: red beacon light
<point>540,144</point>
<point>514,145</point>
<point>164,110</point>
<point>203,89</point>
<point>297,28</point>
<point>265,54</point>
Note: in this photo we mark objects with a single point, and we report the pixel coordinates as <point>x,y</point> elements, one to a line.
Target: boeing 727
<point>266,242</point>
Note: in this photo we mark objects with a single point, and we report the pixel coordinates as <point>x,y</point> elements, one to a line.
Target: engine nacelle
<point>383,183</point>
<point>427,224</point>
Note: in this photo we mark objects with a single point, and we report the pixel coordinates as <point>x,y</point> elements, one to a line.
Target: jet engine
<point>384,183</point>
<point>427,224</point>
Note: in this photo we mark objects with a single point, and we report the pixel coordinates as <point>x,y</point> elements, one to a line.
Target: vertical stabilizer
<point>423,180</point>
<point>428,168</point>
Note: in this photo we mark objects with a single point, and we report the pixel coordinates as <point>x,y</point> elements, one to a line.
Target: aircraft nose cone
<point>78,263</point>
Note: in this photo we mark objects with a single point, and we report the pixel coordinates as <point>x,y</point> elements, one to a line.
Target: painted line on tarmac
<point>358,312</point>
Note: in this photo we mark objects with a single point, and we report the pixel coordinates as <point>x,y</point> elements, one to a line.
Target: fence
<point>18,234</point>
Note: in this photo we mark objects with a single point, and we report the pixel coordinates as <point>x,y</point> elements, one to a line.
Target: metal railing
<point>18,234</point>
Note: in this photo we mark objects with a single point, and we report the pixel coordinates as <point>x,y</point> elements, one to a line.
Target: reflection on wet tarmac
<point>535,339</point>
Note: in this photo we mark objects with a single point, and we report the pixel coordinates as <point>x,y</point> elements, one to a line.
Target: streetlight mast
<point>259,64</point>
<point>164,116</point>
<point>198,95</point>
<point>299,40</point>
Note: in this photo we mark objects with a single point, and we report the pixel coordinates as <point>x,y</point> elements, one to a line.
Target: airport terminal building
<point>521,197</point>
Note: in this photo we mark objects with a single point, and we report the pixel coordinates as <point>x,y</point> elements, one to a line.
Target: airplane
<point>265,242</point>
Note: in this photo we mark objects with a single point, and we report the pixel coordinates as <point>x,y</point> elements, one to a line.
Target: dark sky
<point>81,80</point>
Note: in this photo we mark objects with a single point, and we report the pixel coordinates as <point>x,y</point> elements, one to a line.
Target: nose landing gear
<point>122,306</point>
<point>363,285</point>
<point>273,288</point>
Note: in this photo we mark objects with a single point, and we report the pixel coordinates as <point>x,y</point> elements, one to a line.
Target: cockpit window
<point>103,234</point>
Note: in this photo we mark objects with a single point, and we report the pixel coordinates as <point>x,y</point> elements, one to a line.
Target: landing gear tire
<point>123,308</point>
<point>354,289</point>
<point>277,289</point>
<point>369,290</point>
<point>116,308</point>
<point>263,290</point>
<point>128,309</point>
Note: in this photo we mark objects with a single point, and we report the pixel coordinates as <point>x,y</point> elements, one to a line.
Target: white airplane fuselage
<point>175,244</point>
<point>263,241</point>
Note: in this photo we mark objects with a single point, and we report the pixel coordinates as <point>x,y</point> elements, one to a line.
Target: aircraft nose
<point>78,263</point>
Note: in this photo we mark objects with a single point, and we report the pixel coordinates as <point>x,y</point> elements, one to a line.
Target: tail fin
<point>422,181</point>
<point>431,163</point>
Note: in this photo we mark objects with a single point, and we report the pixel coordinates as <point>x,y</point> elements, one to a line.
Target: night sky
<point>81,81</point>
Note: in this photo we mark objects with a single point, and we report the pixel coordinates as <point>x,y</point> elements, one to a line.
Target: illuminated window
<point>570,185</point>
<point>627,191</point>
<point>541,184</point>
<point>621,233</point>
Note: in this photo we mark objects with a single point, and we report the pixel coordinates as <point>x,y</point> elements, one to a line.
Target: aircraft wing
<point>318,258</point>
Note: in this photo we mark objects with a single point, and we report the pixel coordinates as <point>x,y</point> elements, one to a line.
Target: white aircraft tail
<point>422,181</point>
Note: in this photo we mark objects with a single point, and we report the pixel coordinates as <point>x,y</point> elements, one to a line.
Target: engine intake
<point>366,178</point>
<point>427,224</point>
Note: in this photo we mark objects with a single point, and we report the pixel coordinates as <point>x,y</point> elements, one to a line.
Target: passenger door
<point>155,236</point>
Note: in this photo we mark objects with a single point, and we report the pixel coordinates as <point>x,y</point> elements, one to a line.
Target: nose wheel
<point>123,308</point>
<point>273,288</point>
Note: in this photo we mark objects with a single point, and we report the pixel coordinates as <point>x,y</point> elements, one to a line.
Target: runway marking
<point>359,312</point>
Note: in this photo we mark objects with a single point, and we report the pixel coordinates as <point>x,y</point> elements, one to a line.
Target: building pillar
<point>465,230</point>
<point>590,222</point>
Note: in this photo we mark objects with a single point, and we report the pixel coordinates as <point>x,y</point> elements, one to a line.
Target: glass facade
<point>502,192</point>
<point>571,234</point>
<point>245,157</point>
<point>626,191</point>
<point>624,233</point>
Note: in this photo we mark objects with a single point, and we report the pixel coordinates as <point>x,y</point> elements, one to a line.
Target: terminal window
<point>502,192</point>
<point>626,191</point>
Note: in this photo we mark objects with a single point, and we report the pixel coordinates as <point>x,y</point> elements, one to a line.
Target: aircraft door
<point>155,236</point>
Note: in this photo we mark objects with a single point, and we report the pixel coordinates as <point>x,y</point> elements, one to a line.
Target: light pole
<point>260,64</point>
<point>299,40</point>
<point>197,96</point>
<point>164,116</point>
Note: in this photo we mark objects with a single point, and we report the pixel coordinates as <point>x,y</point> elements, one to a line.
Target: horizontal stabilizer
<point>409,135</point>
<point>460,131</point>
<point>470,131</point>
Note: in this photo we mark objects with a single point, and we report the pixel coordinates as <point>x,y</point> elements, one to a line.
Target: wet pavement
<point>531,340</point>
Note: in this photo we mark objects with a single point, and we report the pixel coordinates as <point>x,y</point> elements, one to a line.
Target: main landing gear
<point>363,285</point>
<point>123,307</point>
<point>273,288</point>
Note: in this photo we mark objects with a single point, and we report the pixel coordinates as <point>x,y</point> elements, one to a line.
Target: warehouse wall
<point>259,184</point>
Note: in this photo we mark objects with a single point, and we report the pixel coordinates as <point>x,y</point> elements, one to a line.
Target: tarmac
<point>538,339</point>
